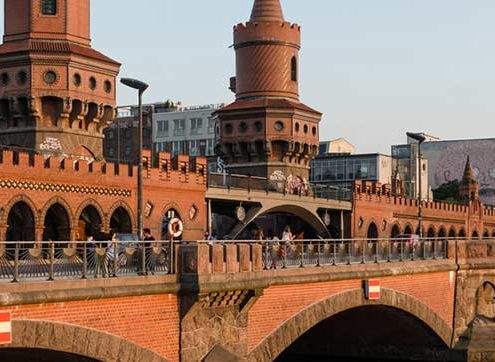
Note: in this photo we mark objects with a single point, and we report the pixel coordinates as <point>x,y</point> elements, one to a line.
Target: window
<point>293,69</point>
<point>92,83</point>
<point>179,127</point>
<point>162,129</point>
<point>49,7</point>
<point>196,125</point>
<point>211,125</point>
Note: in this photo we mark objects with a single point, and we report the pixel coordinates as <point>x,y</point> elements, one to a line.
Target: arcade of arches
<point>58,223</point>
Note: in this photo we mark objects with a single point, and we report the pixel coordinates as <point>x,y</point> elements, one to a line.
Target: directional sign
<point>372,289</point>
<point>5,328</point>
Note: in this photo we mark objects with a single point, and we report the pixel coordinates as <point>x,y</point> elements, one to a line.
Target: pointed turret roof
<point>267,10</point>
<point>468,172</point>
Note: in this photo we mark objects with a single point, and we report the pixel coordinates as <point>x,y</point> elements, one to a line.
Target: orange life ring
<point>175,228</point>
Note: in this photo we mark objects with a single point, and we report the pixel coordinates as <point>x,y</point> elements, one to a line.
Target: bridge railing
<point>254,183</point>
<point>20,261</point>
<point>314,253</point>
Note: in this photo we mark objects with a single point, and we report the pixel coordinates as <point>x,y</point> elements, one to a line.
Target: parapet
<point>267,31</point>
<point>369,191</point>
<point>181,169</point>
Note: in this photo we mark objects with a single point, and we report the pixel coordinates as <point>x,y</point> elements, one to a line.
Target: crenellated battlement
<point>179,169</point>
<point>376,192</point>
<point>272,32</point>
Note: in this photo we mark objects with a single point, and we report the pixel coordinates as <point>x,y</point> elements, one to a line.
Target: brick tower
<point>56,92</point>
<point>267,131</point>
<point>469,189</point>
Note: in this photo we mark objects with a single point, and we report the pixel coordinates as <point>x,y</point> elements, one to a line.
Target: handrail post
<point>349,252</point>
<point>85,261</point>
<point>424,250</point>
<point>52,261</point>
<point>435,249</point>
<point>302,255</point>
<point>115,259</point>
<point>401,244</point>
<point>413,250</point>
<point>334,253</point>
<point>376,251</point>
<point>143,258</point>
<point>16,264</point>
<point>363,256</point>
<point>172,256</point>
<point>390,244</point>
<point>318,254</point>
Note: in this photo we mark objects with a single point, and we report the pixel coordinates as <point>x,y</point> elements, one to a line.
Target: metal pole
<point>140,168</point>
<point>420,189</point>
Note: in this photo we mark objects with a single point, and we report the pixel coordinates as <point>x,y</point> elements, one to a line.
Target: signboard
<point>372,289</point>
<point>5,328</point>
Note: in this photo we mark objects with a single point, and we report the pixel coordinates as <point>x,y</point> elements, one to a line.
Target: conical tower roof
<point>267,10</point>
<point>468,172</point>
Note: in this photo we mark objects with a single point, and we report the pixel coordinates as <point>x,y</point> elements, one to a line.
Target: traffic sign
<point>5,328</point>
<point>372,289</point>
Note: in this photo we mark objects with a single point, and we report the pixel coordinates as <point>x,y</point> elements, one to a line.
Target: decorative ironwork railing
<point>56,260</point>
<point>314,253</point>
<point>21,261</point>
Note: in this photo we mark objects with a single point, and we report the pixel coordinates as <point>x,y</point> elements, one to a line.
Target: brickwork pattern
<point>272,309</point>
<point>131,318</point>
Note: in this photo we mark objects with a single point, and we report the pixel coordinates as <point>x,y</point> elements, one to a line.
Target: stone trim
<point>78,340</point>
<point>270,348</point>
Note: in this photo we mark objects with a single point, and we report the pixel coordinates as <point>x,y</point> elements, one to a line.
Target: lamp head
<point>417,137</point>
<point>134,83</point>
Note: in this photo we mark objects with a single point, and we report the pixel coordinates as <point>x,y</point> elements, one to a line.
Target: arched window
<point>49,7</point>
<point>293,69</point>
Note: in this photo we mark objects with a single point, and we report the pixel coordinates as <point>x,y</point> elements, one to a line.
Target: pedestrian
<point>287,235</point>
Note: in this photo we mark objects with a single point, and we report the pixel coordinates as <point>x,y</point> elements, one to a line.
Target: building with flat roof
<point>186,130</point>
<point>341,170</point>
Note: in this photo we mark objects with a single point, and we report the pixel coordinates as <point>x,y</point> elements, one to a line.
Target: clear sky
<point>376,69</point>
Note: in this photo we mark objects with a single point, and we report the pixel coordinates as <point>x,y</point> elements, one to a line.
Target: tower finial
<point>267,10</point>
<point>468,171</point>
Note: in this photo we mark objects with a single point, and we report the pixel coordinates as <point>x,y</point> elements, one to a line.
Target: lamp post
<point>420,139</point>
<point>141,88</point>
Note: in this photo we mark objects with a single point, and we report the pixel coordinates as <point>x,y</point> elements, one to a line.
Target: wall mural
<point>447,161</point>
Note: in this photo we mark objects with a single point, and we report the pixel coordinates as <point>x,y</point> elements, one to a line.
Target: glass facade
<point>344,170</point>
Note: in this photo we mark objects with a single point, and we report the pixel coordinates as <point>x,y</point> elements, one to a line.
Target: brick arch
<point>452,232</point>
<point>370,224</point>
<point>408,228</point>
<point>178,209</point>
<point>15,200</point>
<point>395,230</point>
<point>99,209</point>
<point>126,207</point>
<point>66,338</point>
<point>442,232</point>
<point>270,348</point>
<point>64,204</point>
<point>431,230</point>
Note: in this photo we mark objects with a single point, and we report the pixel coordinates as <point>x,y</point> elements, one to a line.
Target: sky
<point>375,69</point>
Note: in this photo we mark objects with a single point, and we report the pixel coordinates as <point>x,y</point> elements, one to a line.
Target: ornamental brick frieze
<point>68,188</point>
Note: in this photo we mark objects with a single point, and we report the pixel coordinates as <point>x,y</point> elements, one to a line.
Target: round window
<point>108,86</point>
<point>306,128</point>
<point>314,131</point>
<point>92,83</point>
<point>243,127</point>
<point>258,126</point>
<point>50,77</point>
<point>77,80</point>
<point>5,79</point>
<point>279,126</point>
<point>22,77</point>
<point>298,127</point>
<point>228,128</point>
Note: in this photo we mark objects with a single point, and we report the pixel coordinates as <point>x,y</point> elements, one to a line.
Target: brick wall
<point>131,318</point>
<point>281,303</point>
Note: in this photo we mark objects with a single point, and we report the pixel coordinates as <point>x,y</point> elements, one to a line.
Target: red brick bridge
<point>252,301</point>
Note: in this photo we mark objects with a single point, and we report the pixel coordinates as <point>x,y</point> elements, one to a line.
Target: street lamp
<point>141,87</point>
<point>420,138</point>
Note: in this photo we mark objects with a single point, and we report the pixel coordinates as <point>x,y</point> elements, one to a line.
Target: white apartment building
<point>186,130</point>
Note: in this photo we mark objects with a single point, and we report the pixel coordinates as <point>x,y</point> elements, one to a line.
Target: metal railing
<point>255,183</point>
<point>62,261</point>
<point>315,253</point>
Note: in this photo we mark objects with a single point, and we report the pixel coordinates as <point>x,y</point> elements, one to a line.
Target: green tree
<point>448,192</point>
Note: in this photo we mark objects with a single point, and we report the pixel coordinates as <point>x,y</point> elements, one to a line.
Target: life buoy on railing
<point>175,228</point>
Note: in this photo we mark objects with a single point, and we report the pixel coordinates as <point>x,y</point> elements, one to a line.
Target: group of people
<point>286,236</point>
